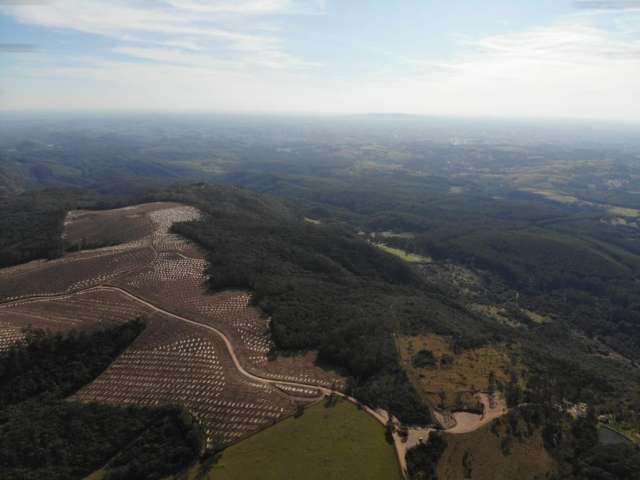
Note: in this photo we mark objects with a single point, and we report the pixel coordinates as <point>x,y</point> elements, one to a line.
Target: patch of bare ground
<point>90,228</point>
<point>493,407</point>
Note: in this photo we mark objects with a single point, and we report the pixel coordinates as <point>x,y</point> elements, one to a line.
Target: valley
<point>471,306</point>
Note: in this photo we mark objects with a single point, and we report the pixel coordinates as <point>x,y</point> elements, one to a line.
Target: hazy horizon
<point>562,59</point>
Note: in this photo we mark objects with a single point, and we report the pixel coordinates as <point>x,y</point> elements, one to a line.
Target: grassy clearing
<point>527,458</point>
<point>536,317</point>
<point>619,221</point>
<point>390,234</point>
<point>452,386</point>
<point>555,196</point>
<point>63,170</point>
<point>406,256</point>
<point>625,212</point>
<point>571,200</point>
<point>340,442</point>
<point>495,312</point>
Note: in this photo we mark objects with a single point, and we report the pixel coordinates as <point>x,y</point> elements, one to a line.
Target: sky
<point>511,58</point>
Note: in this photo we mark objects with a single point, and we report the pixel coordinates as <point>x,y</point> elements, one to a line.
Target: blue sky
<point>538,58</point>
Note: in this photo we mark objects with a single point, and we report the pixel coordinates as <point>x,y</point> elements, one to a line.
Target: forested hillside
<point>42,435</point>
<point>561,259</point>
<point>328,289</point>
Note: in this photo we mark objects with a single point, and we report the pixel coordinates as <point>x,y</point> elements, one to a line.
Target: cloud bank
<point>238,56</point>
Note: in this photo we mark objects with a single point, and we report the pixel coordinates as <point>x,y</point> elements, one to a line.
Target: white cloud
<point>251,7</point>
<point>607,5</point>
<point>186,24</point>
<point>86,83</point>
<point>567,69</point>
<point>564,43</point>
<point>268,59</point>
<point>187,55</point>
<point>183,44</point>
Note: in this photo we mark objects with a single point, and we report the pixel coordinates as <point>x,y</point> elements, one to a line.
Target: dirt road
<point>380,416</point>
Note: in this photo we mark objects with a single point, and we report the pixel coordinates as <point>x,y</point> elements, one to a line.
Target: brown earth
<point>208,352</point>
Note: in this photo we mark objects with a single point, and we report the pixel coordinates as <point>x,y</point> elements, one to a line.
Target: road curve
<point>380,417</point>
<point>225,339</point>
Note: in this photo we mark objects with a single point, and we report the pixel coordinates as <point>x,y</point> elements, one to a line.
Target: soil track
<point>469,422</point>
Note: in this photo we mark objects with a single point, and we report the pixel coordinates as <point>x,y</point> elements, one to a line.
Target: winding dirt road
<point>225,339</point>
<point>461,425</point>
<point>381,417</point>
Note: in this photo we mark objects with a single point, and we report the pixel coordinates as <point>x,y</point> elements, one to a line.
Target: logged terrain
<point>206,352</point>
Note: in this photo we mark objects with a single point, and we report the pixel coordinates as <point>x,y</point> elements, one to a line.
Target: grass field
<point>536,317</point>
<point>390,234</point>
<point>406,256</point>
<point>527,458</point>
<point>452,386</point>
<point>625,212</point>
<point>339,442</point>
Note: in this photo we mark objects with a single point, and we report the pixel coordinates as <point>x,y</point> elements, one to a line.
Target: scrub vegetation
<point>449,377</point>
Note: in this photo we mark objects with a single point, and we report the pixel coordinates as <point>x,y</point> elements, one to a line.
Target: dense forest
<point>31,228</point>
<point>56,365</point>
<point>42,435</point>
<point>562,260</point>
